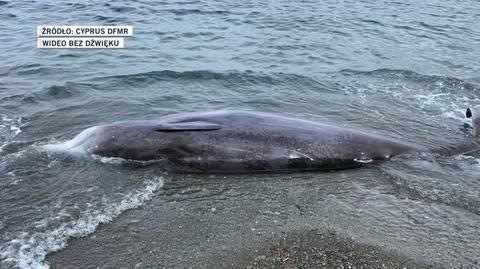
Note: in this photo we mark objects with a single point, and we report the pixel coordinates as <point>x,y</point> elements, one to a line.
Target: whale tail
<point>474,113</point>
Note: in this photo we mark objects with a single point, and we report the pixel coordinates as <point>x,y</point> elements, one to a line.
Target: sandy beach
<point>194,225</point>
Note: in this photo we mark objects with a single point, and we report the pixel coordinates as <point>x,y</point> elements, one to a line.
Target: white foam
<point>109,160</point>
<point>28,250</point>
<point>9,128</point>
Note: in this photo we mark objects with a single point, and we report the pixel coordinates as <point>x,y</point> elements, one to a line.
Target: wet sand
<point>301,249</point>
<point>253,224</point>
<point>313,249</point>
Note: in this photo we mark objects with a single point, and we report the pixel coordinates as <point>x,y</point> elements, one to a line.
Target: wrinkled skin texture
<point>240,142</point>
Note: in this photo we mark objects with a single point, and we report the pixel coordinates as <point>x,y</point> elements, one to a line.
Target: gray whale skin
<point>244,142</point>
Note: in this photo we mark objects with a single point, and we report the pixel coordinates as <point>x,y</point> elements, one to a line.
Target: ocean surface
<point>403,69</point>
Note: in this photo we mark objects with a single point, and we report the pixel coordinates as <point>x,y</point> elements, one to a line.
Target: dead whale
<point>246,142</point>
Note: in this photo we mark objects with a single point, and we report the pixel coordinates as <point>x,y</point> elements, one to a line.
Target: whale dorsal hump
<point>189,126</point>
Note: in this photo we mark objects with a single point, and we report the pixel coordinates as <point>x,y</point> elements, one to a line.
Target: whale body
<point>241,142</point>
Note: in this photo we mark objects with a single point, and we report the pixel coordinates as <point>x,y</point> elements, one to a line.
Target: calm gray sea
<point>405,69</point>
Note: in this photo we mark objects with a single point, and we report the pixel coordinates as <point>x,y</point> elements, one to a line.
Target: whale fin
<point>190,126</point>
<point>468,113</point>
<point>474,114</point>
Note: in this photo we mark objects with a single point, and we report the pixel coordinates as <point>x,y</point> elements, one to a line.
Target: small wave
<point>29,250</point>
<point>408,75</point>
<point>77,5</point>
<point>9,128</point>
<point>20,68</point>
<point>123,9</point>
<point>101,18</point>
<point>421,177</point>
<point>370,21</point>
<point>230,77</point>
<point>68,90</point>
<point>8,16</point>
<point>30,69</point>
<point>183,11</point>
<point>186,75</point>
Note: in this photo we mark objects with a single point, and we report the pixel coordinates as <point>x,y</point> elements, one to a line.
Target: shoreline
<point>249,225</point>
